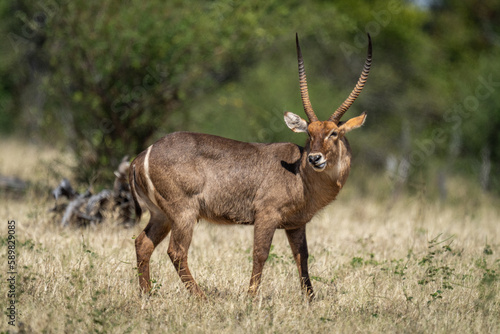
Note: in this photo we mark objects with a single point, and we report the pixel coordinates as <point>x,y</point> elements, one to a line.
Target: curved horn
<point>303,85</point>
<point>337,115</point>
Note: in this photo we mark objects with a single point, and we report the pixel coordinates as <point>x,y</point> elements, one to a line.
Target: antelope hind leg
<point>156,230</point>
<point>180,240</point>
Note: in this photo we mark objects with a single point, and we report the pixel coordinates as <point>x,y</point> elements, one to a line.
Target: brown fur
<point>186,176</point>
<point>271,186</point>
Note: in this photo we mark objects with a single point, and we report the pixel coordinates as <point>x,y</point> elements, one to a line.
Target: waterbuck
<point>185,177</point>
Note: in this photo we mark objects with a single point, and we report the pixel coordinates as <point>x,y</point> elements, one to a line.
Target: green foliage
<point>488,285</point>
<point>274,258</point>
<point>470,55</point>
<point>119,76</point>
<point>19,65</point>
<point>359,261</point>
<point>108,79</point>
<point>439,273</point>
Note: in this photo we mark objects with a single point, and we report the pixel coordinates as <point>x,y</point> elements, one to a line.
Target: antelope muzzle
<point>317,161</point>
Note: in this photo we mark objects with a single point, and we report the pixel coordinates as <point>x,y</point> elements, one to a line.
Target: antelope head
<point>326,137</point>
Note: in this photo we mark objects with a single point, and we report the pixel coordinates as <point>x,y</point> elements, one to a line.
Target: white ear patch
<point>295,122</point>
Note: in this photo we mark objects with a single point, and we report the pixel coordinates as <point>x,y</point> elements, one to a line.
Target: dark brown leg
<point>262,243</point>
<point>298,243</point>
<point>156,230</point>
<point>180,241</point>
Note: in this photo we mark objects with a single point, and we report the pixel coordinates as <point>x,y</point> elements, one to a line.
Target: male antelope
<point>186,176</point>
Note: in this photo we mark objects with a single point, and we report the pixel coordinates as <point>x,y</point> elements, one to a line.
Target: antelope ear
<point>353,123</point>
<point>295,122</point>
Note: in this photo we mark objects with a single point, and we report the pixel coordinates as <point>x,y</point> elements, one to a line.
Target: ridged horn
<point>303,85</point>
<point>337,115</point>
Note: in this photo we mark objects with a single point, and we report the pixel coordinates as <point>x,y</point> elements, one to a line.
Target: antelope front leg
<point>298,243</point>
<point>261,246</point>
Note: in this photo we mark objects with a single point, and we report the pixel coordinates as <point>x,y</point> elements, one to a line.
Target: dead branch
<point>13,184</point>
<point>84,209</point>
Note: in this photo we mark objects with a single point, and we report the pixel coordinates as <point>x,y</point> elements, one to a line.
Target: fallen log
<point>84,209</point>
<point>12,184</point>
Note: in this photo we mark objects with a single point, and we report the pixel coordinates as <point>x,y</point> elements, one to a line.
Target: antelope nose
<point>314,158</point>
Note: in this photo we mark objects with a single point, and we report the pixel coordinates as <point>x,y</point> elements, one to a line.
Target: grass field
<point>378,265</point>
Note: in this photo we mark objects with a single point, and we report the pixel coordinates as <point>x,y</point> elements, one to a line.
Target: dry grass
<point>412,266</point>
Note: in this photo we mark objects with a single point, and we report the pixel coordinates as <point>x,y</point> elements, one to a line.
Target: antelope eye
<point>334,134</point>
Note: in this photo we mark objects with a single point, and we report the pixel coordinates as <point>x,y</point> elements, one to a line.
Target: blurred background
<point>104,79</point>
